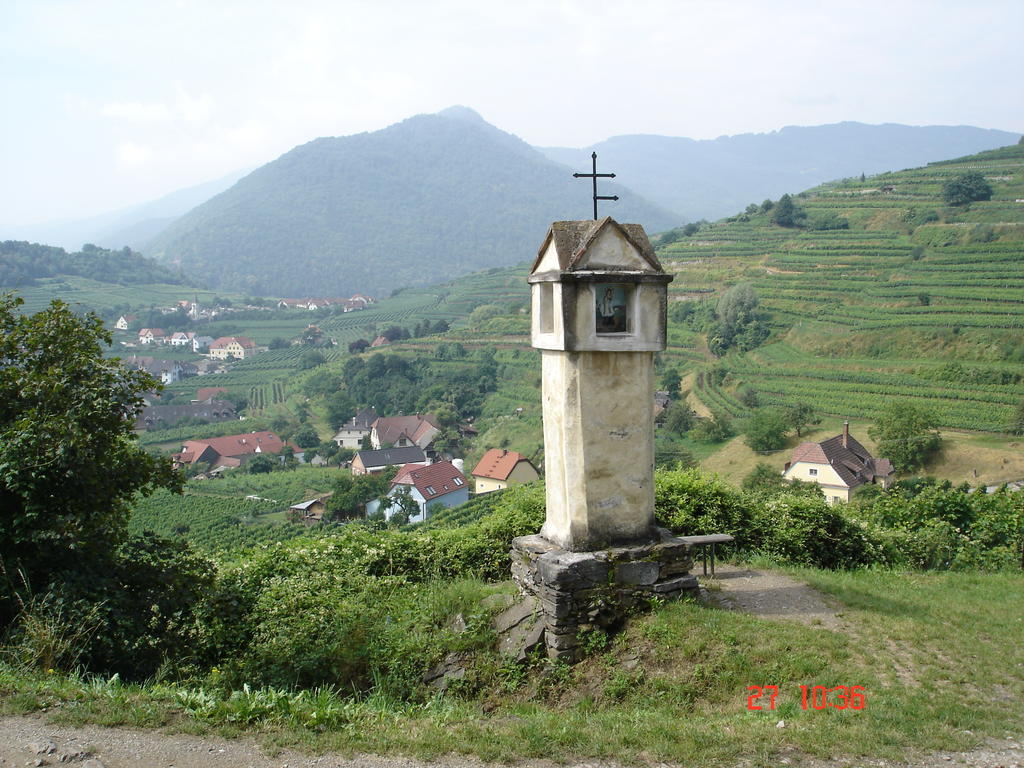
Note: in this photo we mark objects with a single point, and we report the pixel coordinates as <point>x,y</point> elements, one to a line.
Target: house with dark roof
<point>162,416</point>
<point>400,431</point>
<point>167,371</point>
<point>352,432</point>
<point>440,483</point>
<point>498,469</point>
<point>375,462</point>
<point>839,465</point>
<point>311,511</point>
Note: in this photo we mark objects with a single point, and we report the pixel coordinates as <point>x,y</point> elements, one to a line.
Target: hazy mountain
<point>719,177</point>
<point>421,201</point>
<point>133,226</point>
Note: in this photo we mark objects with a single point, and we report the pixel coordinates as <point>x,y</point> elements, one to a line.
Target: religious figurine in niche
<point>611,308</point>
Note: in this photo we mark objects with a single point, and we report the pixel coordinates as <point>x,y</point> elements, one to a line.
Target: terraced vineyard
<point>879,310</point>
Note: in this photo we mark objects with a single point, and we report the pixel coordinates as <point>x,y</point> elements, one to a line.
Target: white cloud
<point>131,156</point>
<point>137,111</point>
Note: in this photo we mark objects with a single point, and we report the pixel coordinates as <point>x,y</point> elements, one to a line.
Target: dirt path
<point>769,594</point>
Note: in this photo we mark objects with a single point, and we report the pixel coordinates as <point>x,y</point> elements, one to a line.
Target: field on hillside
<point>915,300</point>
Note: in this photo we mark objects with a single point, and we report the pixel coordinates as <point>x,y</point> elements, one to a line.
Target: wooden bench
<point>707,542</point>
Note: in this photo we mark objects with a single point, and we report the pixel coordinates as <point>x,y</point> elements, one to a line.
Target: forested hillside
<point>24,264</point>
<point>422,201</point>
<point>891,286</point>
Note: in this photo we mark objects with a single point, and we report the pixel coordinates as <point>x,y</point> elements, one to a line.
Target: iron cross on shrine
<point>595,176</point>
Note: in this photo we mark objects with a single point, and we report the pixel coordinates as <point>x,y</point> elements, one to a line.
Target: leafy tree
<point>906,435</point>
<point>307,437</point>
<point>766,430</point>
<point>278,343</point>
<point>670,380</point>
<point>801,415</point>
<point>679,419</point>
<point>739,324</point>
<point>69,462</point>
<point>311,358</point>
<point>261,465</point>
<point>966,188</point>
<point>352,492</point>
<point>763,477</point>
<point>340,409</point>
<point>714,430</point>
<point>358,346</point>
<point>321,383</point>
<point>767,205</point>
<point>402,506</point>
<point>786,213</point>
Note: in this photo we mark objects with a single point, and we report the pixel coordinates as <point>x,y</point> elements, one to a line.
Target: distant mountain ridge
<point>133,226</point>
<point>422,201</point>
<point>714,178</point>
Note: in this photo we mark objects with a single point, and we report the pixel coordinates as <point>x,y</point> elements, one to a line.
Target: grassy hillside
<point>915,299</point>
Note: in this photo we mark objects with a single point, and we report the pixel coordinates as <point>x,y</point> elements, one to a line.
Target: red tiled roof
<point>431,481</point>
<point>233,445</point>
<point>205,393</point>
<point>223,341</point>
<point>497,464</point>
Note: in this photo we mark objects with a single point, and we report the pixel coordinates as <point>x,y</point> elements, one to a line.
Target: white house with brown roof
<point>401,431</point>
<point>498,469</point>
<point>441,483</point>
<point>152,336</point>
<point>232,346</point>
<point>839,465</point>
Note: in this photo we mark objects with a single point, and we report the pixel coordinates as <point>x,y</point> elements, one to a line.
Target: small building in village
<point>498,469</point>
<point>352,432</point>
<point>238,347</point>
<point>375,462</point>
<point>311,511</point>
<point>440,483</point>
<point>167,371</point>
<point>152,336</point>
<point>839,465</point>
<point>401,431</point>
<point>124,322</point>
<point>182,338</point>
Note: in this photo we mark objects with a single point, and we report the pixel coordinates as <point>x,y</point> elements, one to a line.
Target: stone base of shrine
<point>582,590</point>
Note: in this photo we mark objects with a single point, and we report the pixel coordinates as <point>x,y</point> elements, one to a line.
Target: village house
<point>375,462</point>
<point>839,465</point>
<point>498,469</point>
<point>167,371</point>
<point>380,341</point>
<point>161,416</point>
<point>232,450</point>
<point>437,484</point>
<point>124,321</point>
<point>237,347</point>
<point>201,342</point>
<point>352,432</point>
<point>152,336</point>
<point>182,339</point>
<point>402,431</point>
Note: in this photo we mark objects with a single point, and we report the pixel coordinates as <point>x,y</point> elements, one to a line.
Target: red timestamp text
<point>811,697</point>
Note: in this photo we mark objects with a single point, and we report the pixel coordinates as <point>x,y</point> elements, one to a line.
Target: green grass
<point>937,653</point>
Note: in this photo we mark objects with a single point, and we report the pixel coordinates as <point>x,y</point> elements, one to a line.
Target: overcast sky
<point>107,103</point>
